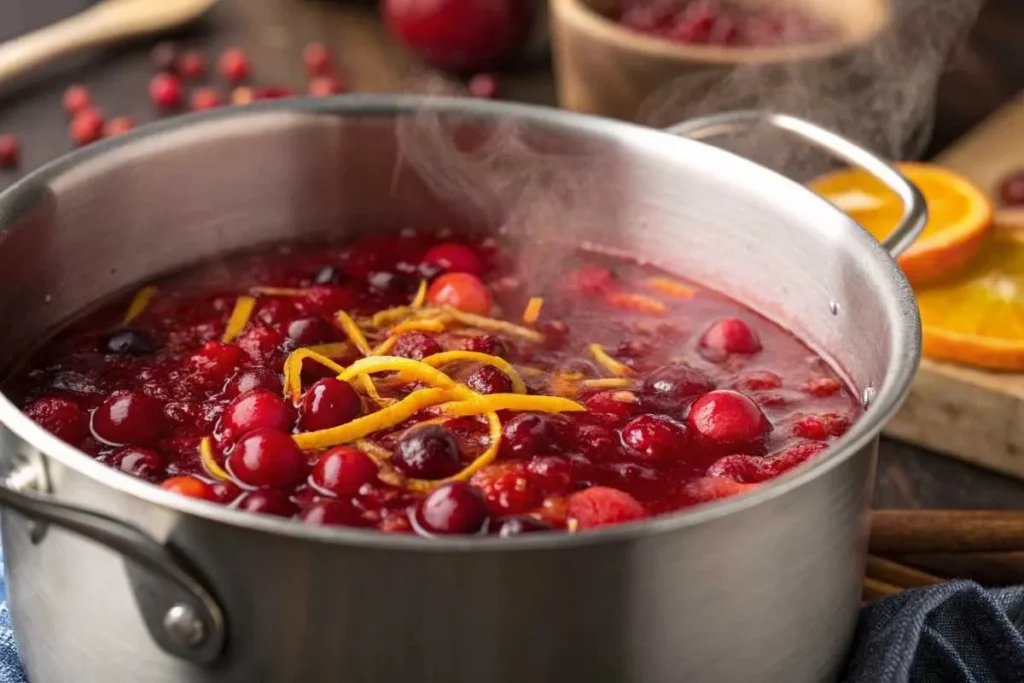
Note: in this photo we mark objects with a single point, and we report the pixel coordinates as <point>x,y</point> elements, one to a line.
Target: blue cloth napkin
<point>957,632</point>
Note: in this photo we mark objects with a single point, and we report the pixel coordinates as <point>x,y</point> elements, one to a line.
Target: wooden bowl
<point>604,68</point>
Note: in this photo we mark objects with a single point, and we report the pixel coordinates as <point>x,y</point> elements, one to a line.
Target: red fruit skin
<point>748,469</point>
<point>76,98</point>
<point>728,418</point>
<point>190,487</point>
<point>602,506</point>
<point>462,291</point>
<point>234,65</point>
<point>87,126</point>
<point>61,417</point>
<point>10,151</point>
<point>165,91</point>
<point>461,35</point>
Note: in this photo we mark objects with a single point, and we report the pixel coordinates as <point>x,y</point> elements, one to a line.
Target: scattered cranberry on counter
<point>1011,189</point>
<point>484,86</point>
<point>76,98</point>
<point>318,59</point>
<point>322,86</point>
<point>273,92</point>
<point>191,65</point>
<point>87,126</point>
<point>10,152</point>
<point>205,98</point>
<point>165,57</point>
<point>234,65</point>
<point>165,91</point>
<point>119,125</point>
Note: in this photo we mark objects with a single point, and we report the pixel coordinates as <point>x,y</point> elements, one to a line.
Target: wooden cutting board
<point>974,415</point>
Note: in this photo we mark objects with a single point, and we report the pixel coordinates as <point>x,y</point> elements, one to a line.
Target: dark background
<point>984,74</point>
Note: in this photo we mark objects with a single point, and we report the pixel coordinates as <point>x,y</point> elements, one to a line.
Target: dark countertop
<point>988,72</point>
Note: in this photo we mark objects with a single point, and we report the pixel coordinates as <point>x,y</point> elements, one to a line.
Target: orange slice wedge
<point>976,317</point>
<point>959,215</point>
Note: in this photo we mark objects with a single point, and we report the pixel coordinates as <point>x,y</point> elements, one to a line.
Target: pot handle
<point>915,212</point>
<point>182,616</point>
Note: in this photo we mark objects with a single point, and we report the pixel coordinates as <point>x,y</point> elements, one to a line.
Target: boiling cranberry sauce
<point>418,384</point>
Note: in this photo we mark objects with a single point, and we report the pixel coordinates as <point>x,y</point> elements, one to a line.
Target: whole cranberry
<point>343,471</point>
<point>672,384</point>
<point>191,65</point>
<point>329,299</point>
<point>234,65</point>
<point>614,405</point>
<point>461,35</point>
<point>165,91</point>
<point>528,434</point>
<point>165,56</point>
<point>128,341</point>
<point>1011,189</point>
<point>485,343</point>
<point>452,257</point>
<point>318,59</point>
<point>328,403</point>
<point>118,126</point>
<point>516,526</point>
<point>129,418</point>
<point>260,343</point>
<point>310,331</point>
<point>758,380</point>
<point>333,513</point>
<point>86,126</point>
<point>189,487</point>
<point>76,98</point>
<point>819,427</point>
<point>484,86</point>
<point>139,462</point>
<point>253,378</point>
<point>728,336</point>
<point>455,508</point>
<point>226,491</point>
<point>10,151</point>
<point>323,86</point>
<point>728,418</point>
<point>268,502</point>
<point>489,380</point>
<point>61,417</point>
<point>655,437</point>
<point>256,409</point>
<point>205,98</point>
<point>428,452</point>
<point>462,291</point>
<point>550,473</point>
<point>214,362</point>
<point>507,487</point>
<point>415,345</point>
<point>602,506</point>
<point>267,458</point>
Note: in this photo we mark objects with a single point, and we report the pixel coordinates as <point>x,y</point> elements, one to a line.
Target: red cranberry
<point>191,65</point>
<point>165,56</point>
<point>165,91</point>
<point>707,489</point>
<point>323,86</point>
<point>268,503</point>
<point>260,343</point>
<point>310,331</point>
<point>489,380</point>
<point>214,362</point>
<point>87,126</point>
<point>273,92</point>
<point>267,458</point>
<point>461,35</point>
<point>484,86</point>
<point>601,506</point>
<point>10,151</point>
<point>485,343</point>
<point>333,513</point>
<point>234,65</point>
<point>129,418</point>
<point>329,299</point>
<point>343,471</point>
<point>452,257</point>
<point>528,434</point>
<point>550,473</point>
<point>118,126</point>
<point>318,59</point>
<point>189,487</point>
<point>655,437</point>
<point>729,418</point>
<point>76,98</point>
<point>462,291</point>
<point>1011,189</point>
<point>428,452</point>
<point>254,378</point>
<point>205,98</point>
<point>507,487</point>
<point>61,417</point>
<point>328,403</point>
<point>257,409</point>
<point>415,345</point>
<point>128,341</point>
<point>516,526</point>
<point>455,508</point>
<point>674,383</point>
<point>748,469</point>
<point>820,427</point>
<point>823,387</point>
<point>614,405</point>
<point>727,336</point>
<point>226,492</point>
<point>139,462</point>
<point>598,441</point>
<point>758,380</point>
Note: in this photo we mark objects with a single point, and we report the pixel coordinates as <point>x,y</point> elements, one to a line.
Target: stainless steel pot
<point>112,579</point>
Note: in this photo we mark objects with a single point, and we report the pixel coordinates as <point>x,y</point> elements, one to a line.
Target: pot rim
<point>895,385</point>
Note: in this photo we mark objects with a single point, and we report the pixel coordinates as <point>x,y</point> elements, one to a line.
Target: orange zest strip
<point>565,383</point>
<point>332,350</point>
<point>636,302</point>
<point>371,390</point>
<point>378,453</point>
<point>293,370</point>
<point>480,404</point>
<point>434,325</point>
<point>481,461</point>
<point>210,461</point>
<point>139,303</point>
<point>348,325</point>
<point>672,287</point>
<point>278,291</point>
<point>390,316</point>
<point>413,368</point>
<point>532,311</point>
<point>492,325</point>
<point>240,315</point>
<point>421,295</point>
<point>384,347</point>
<point>608,383</point>
<point>440,359</point>
<point>607,362</point>
<point>368,424</point>
<point>625,397</point>
<point>531,371</point>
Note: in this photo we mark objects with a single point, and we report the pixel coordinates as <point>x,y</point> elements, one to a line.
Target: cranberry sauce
<point>417,384</point>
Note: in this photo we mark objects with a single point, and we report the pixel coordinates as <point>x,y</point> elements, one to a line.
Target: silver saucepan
<point>114,579</point>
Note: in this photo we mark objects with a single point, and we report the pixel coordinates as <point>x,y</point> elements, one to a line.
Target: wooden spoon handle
<point>946,531</point>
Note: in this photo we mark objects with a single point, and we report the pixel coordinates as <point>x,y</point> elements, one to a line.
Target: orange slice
<point>976,317</point>
<point>959,215</point>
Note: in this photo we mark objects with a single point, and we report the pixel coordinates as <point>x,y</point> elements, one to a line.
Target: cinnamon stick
<point>898,574</point>
<point>874,588</point>
<point>946,531</point>
<point>990,569</point>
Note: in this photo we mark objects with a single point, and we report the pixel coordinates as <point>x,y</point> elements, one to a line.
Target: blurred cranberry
<point>118,126</point>
<point>1011,189</point>
<point>318,59</point>
<point>205,98</point>
<point>87,126</point>
<point>268,503</point>
<point>484,86</point>
<point>191,65</point>
<point>165,91</point>
<point>234,65</point>
<point>9,151</point>
<point>189,487</point>
<point>61,417</point>
<point>165,56</point>
<point>76,98</point>
<point>322,86</point>
<point>600,506</point>
<point>453,257</point>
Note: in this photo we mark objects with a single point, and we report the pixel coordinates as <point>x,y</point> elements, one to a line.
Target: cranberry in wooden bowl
<point>635,467</point>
